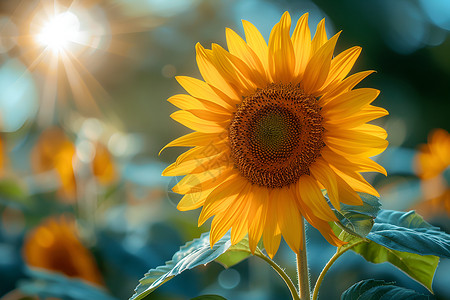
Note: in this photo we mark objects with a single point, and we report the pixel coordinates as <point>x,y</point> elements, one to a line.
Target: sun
<point>59,32</point>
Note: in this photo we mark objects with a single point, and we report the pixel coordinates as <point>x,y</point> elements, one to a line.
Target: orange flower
<point>431,162</point>
<point>54,151</point>
<point>55,246</point>
<point>103,166</point>
<point>434,157</point>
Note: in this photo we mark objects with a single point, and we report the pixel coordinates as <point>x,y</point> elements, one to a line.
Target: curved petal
<point>196,139</point>
<point>322,173</point>
<point>195,123</point>
<point>211,74</point>
<point>281,51</point>
<point>341,65</point>
<point>257,43</point>
<point>290,219</point>
<point>301,41</point>
<point>320,37</point>
<point>238,47</point>
<point>257,215</point>
<point>272,232</point>
<point>200,89</point>
<point>318,67</point>
<point>310,193</point>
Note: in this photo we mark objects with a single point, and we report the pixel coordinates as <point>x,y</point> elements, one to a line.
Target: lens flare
<point>59,32</point>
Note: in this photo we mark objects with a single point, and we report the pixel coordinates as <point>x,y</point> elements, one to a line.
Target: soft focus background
<point>83,115</point>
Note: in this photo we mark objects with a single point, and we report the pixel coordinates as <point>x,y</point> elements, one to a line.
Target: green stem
<point>327,267</point>
<point>282,274</point>
<point>302,268</point>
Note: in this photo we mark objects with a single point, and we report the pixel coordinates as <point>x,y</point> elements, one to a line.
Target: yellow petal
<point>272,232</point>
<point>193,200</point>
<point>238,47</point>
<point>289,218</point>
<point>224,220</point>
<point>355,143</point>
<point>351,163</point>
<point>234,70</point>
<point>188,102</point>
<point>221,197</point>
<point>349,103</point>
<point>281,51</point>
<point>257,215</point>
<point>200,89</point>
<point>240,226</point>
<point>301,41</point>
<point>318,67</point>
<point>320,37</point>
<point>257,43</point>
<point>322,172</point>
<point>367,113</point>
<point>211,74</point>
<point>194,183</point>
<point>341,65</point>
<point>199,165</point>
<point>372,130</point>
<point>343,87</point>
<point>196,139</point>
<point>356,181</point>
<point>195,123</point>
<point>201,152</point>
<point>311,195</point>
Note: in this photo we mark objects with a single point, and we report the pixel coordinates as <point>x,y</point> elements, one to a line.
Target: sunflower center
<point>275,135</point>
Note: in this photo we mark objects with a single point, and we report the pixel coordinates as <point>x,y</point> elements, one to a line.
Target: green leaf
<point>11,189</point>
<point>408,232</point>
<point>209,297</point>
<point>378,289</point>
<point>404,240</point>
<point>192,254</point>
<point>419,267</point>
<point>358,219</point>
<point>235,254</point>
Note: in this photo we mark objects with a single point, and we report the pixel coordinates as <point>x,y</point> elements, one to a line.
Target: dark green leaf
<point>192,254</point>
<point>358,219</point>
<point>378,289</point>
<point>402,239</point>
<point>209,297</point>
<point>408,232</point>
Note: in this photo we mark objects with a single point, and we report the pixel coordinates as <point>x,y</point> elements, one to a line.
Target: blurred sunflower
<point>275,123</point>
<point>54,245</point>
<point>432,161</point>
<point>55,151</point>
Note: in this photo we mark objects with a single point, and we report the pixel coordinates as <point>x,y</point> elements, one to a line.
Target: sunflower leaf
<point>192,254</point>
<point>358,219</point>
<point>372,289</point>
<point>404,240</point>
<point>235,254</point>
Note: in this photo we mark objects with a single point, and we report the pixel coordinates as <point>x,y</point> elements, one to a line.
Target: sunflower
<point>54,245</point>
<point>431,163</point>
<point>433,158</point>
<point>274,125</point>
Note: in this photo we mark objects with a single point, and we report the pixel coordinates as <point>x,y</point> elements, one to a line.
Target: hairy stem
<point>282,274</point>
<point>302,268</point>
<point>338,253</point>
